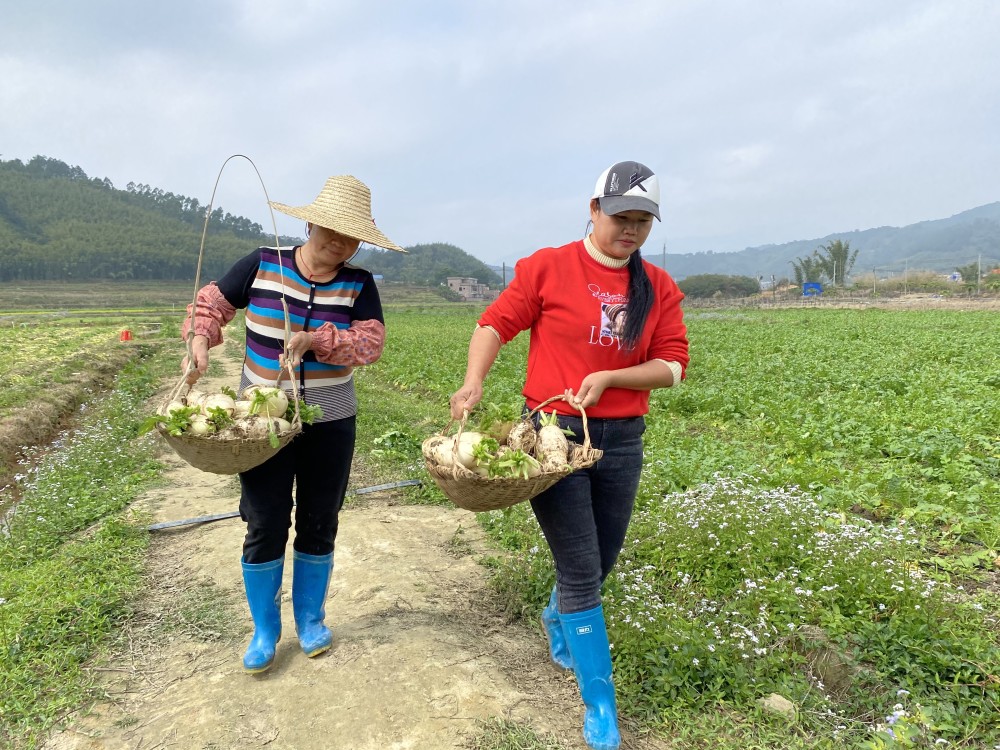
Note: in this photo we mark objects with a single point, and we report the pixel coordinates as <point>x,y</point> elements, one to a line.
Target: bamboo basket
<point>217,455</point>
<point>210,452</point>
<point>472,492</point>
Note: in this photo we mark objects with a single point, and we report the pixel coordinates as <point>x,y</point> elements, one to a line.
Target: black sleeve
<point>235,284</point>
<point>368,305</point>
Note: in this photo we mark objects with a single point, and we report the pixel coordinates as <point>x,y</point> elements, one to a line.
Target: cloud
<point>485,124</point>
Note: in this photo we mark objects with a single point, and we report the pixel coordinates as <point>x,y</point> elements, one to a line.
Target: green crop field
<point>894,415</point>
<point>824,488</point>
<point>819,517</point>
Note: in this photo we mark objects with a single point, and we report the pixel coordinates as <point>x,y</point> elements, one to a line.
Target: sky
<point>486,124</point>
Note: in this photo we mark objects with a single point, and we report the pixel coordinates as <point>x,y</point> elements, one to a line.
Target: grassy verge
<point>71,558</point>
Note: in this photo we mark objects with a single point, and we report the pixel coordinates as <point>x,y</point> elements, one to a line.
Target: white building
<point>470,289</point>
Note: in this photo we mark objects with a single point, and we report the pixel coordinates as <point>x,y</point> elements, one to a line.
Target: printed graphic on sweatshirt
<point>609,330</point>
<point>612,319</point>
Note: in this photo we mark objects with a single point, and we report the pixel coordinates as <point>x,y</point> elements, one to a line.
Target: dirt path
<point>419,659</point>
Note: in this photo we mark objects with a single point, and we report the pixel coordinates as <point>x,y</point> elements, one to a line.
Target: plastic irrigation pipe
<point>233,514</point>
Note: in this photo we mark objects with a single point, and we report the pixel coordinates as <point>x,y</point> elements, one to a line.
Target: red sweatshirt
<point>572,304</point>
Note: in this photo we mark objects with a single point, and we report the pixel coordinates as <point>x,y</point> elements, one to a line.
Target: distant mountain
<point>938,245</point>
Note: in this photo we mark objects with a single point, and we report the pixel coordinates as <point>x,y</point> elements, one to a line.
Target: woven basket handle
<point>455,470</point>
<point>201,256</point>
<point>583,414</point>
<point>290,372</point>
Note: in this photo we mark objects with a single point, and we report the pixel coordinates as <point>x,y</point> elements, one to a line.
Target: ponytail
<point>640,300</point>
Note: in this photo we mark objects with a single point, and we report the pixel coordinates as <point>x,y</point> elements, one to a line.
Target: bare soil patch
<point>421,656</point>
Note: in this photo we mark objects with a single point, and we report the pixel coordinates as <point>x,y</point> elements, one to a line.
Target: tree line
<point>56,223</point>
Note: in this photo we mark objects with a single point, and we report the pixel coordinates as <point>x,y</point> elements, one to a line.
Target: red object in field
<point>126,335</point>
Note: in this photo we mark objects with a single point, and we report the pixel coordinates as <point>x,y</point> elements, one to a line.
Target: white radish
<point>171,408</point>
<point>249,391</point>
<point>200,425</point>
<point>257,428</point>
<point>270,402</point>
<point>218,401</point>
<point>444,453</point>
<point>522,436</point>
<point>241,409</point>
<point>194,397</point>
<point>281,426</point>
<point>439,450</point>
<point>552,448</point>
<point>467,442</point>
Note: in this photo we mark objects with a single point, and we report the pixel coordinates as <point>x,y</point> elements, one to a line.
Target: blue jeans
<point>318,462</point>
<point>585,516</point>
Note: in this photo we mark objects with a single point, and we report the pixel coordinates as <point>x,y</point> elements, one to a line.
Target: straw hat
<point>343,205</point>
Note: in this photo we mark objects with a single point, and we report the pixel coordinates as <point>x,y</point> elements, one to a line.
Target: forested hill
<point>56,223</point>
<point>428,264</point>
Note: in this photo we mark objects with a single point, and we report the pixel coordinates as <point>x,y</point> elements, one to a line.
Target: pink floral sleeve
<point>361,344</point>
<point>213,312</point>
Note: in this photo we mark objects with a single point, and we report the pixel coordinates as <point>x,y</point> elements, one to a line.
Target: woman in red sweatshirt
<point>606,328</point>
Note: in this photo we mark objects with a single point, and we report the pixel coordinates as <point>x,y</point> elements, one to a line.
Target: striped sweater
<point>344,315</point>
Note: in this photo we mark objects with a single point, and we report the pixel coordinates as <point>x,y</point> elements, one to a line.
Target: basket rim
<point>226,456</point>
<point>213,438</point>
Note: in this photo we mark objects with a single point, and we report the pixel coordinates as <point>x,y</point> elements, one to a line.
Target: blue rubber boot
<point>310,581</point>
<point>263,587</point>
<point>557,639</point>
<point>587,638</point>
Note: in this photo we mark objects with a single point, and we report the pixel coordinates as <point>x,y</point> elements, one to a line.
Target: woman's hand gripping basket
<point>479,473</point>
<point>222,435</point>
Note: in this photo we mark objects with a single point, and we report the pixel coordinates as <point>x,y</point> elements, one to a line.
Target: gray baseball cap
<point>628,186</point>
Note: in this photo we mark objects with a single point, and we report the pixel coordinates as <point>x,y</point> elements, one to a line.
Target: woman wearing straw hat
<point>337,325</point>
<point>606,328</point>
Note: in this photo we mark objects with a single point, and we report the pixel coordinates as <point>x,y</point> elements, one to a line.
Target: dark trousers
<point>585,516</point>
<point>318,462</point>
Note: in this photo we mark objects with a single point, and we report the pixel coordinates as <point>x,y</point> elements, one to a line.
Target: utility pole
<point>905,269</point>
<point>663,263</point>
<point>979,273</point>
<point>874,280</point>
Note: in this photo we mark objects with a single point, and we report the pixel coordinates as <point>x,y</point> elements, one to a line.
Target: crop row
<point>36,358</point>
